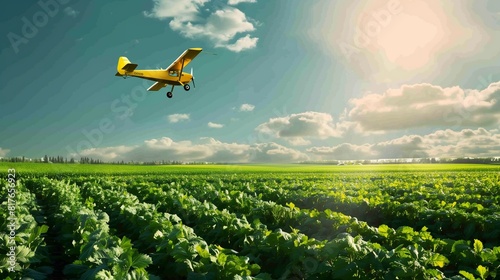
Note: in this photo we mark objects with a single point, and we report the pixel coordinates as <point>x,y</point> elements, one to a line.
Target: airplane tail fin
<point>124,65</point>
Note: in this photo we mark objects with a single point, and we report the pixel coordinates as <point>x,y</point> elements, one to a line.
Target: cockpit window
<point>173,73</point>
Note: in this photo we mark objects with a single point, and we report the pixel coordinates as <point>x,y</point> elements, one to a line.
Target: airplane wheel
<point>187,87</point>
<point>169,94</point>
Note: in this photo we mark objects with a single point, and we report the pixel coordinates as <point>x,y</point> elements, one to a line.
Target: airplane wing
<point>156,86</point>
<point>184,59</point>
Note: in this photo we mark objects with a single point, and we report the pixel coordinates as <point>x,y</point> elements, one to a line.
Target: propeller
<point>192,77</point>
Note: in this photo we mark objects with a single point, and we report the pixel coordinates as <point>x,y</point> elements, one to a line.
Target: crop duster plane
<point>172,75</point>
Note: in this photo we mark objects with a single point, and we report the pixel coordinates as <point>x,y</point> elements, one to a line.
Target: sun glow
<point>393,38</point>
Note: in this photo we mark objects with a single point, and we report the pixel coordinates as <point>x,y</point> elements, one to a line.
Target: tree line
<point>89,160</point>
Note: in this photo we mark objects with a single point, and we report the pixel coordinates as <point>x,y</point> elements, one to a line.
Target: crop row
<point>463,254</point>
<point>284,253</point>
<point>457,206</point>
<point>176,250</point>
<point>22,247</point>
<point>257,226</point>
<point>85,243</point>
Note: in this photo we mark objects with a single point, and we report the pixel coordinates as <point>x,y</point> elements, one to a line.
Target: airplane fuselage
<point>170,78</point>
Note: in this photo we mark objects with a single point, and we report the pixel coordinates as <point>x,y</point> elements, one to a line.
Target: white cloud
<point>408,107</point>
<point>246,107</point>
<point>215,125</point>
<point>297,126</point>
<point>236,2</point>
<point>272,152</point>
<point>343,151</point>
<point>467,142</point>
<point>442,143</point>
<point>220,27</point>
<point>243,43</point>
<point>178,117</point>
<point>105,154</point>
<point>71,12</point>
<point>4,152</point>
<point>298,141</point>
<point>207,149</point>
<point>186,10</point>
<point>408,146</point>
<point>426,105</point>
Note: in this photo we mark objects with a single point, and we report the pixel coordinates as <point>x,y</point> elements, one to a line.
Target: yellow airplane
<point>173,75</point>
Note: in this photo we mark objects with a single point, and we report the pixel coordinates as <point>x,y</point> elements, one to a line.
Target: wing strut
<point>182,68</point>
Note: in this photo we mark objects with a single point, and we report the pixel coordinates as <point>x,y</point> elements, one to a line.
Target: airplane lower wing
<point>156,86</point>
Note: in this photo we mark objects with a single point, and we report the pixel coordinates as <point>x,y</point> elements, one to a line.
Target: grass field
<point>400,221</point>
<point>38,168</point>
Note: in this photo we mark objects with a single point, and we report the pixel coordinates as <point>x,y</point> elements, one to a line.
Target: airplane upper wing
<point>185,57</point>
<point>156,86</point>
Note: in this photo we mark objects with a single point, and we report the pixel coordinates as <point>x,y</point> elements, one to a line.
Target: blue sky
<point>289,81</point>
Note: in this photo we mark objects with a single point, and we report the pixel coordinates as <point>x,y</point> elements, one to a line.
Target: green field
<point>406,221</point>
<point>49,169</point>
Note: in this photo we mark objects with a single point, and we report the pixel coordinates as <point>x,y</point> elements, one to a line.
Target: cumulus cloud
<point>221,27</point>
<point>426,105</point>
<point>297,126</point>
<point>404,108</point>
<point>71,12</point>
<point>3,152</point>
<point>298,141</point>
<point>246,107</point>
<point>206,149</point>
<point>343,151</point>
<point>105,154</point>
<point>187,10</point>
<point>272,152</point>
<point>241,44</point>
<point>442,143</point>
<point>408,107</point>
<point>467,142</point>
<point>215,125</point>
<point>236,2</point>
<point>447,143</point>
<point>178,117</point>
<point>412,146</point>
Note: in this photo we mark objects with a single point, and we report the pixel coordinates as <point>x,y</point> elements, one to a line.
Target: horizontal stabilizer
<point>156,86</point>
<point>129,67</point>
